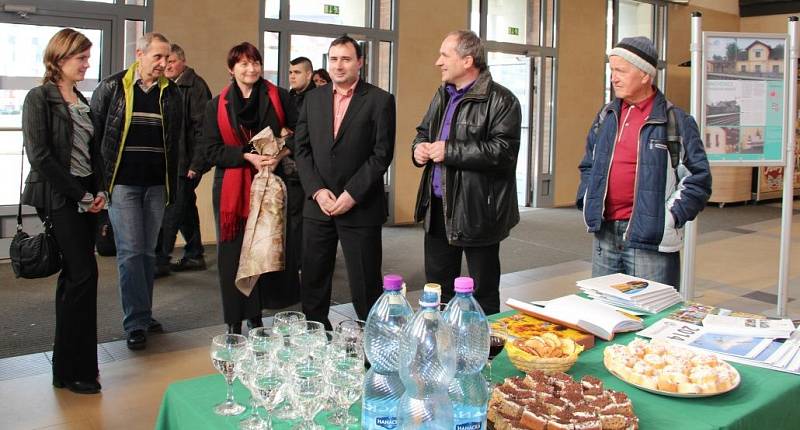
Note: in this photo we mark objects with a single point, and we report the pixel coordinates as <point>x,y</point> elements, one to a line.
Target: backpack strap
<point>674,139</point>
<point>601,116</point>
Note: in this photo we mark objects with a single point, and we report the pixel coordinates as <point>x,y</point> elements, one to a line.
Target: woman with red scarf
<point>243,108</point>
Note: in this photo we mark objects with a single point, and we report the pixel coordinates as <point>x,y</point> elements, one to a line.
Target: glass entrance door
<point>514,72</point>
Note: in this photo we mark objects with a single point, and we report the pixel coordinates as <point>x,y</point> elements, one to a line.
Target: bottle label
<point>470,426</point>
<point>387,422</point>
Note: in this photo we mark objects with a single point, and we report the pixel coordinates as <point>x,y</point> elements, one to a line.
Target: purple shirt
<point>455,96</point>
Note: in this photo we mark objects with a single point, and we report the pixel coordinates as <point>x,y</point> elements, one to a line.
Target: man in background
<point>182,215</point>
<point>300,73</point>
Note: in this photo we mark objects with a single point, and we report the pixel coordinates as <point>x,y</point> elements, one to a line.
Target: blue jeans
<point>136,213</point>
<point>612,255</point>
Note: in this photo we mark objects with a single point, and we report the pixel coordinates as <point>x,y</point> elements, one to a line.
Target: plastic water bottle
<point>436,288</point>
<point>427,365</point>
<point>382,332</point>
<point>468,390</point>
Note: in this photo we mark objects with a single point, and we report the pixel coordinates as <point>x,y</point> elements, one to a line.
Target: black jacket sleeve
<point>215,150</point>
<point>198,95</point>
<point>376,165</point>
<point>500,148</point>
<point>37,137</point>
<point>301,147</point>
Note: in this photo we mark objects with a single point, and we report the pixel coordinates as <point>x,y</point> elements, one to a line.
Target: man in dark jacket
<point>343,144</point>
<point>182,215</point>
<point>641,182</point>
<point>138,120</point>
<point>300,72</point>
<point>468,143</point>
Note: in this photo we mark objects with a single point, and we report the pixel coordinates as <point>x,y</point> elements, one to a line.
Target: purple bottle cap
<point>392,282</point>
<point>464,284</point>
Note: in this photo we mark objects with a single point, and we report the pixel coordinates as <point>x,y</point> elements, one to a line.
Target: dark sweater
<point>143,162</point>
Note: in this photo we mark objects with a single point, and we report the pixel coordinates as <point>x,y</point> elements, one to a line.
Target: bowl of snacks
<point>549,353</point>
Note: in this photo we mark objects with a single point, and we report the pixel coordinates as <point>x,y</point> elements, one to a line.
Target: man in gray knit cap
<point>644,174</point>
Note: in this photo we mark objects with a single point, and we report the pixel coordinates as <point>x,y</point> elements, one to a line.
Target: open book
<point>581,314</point>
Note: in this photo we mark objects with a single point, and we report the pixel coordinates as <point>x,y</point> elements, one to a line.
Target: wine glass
<point>264,343</point>
<point>308,338</point>
<point>226,350</point>
<point>345,378</point>
<point>498,334</point>
<point>309,389</point>
<point>261,346</point>
<point>245,371</point>
<point>351,329</point>
<point>283,322</point>
<point>267,384</point>
<point>286,326</point>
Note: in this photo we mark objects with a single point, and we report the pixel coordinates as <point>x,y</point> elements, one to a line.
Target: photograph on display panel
<point>744,97</point>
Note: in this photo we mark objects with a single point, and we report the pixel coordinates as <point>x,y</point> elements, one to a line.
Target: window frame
<point>48,12</point>
<point>535,180</point>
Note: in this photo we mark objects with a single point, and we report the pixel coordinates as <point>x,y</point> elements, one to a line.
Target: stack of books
<point>630,292</point>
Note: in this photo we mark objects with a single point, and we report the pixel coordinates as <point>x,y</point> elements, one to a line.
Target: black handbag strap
<point>19,207</point>
<point>47,223</point>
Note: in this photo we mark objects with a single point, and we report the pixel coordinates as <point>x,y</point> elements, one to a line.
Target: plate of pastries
<point>660,367</point>
<point>556,401</point>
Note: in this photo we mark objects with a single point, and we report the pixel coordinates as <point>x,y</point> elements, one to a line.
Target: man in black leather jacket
<point>183,216</point>
<point>138,120</point>
<point>467,143</point>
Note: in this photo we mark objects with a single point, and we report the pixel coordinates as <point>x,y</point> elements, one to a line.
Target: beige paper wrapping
<point>265,231</point>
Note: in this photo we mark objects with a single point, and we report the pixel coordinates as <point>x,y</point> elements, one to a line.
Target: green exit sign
<point>514,31</point>
<point>331,9</point>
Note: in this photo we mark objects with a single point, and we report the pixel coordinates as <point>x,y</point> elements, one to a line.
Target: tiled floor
<point>736,268</point>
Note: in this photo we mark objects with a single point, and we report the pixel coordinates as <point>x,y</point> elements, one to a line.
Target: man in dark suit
<point>343,144</point>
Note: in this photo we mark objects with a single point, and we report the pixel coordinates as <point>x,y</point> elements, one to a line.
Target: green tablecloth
<point>765,399</point>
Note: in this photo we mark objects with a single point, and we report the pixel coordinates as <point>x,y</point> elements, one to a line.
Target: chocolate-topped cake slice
<point>591,385</point>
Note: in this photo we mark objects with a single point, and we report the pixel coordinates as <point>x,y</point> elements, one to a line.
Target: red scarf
<point>234,204</point>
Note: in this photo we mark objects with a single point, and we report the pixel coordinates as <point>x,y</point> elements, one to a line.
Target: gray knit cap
<point>638,51</point>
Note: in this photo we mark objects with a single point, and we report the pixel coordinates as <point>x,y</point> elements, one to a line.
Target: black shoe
<point>186,263</point>
<point>254,322</point>
<point>78,387</point>
<point>137,340</point>
<point>162,270</point>
<point>155,327</point>
<point>235,328</point>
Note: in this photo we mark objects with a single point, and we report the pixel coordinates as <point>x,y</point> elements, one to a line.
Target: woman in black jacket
<point>244,108</point>
<point>65,183</point>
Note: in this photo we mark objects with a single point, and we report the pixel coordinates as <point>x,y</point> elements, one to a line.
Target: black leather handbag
<point>37,256</point>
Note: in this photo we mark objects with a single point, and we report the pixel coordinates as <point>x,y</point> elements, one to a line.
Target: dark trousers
<point>181,216</point>
<point>75,343</point>
<point>362,251</point>
<point>294,226</point>
<point>443,263</point>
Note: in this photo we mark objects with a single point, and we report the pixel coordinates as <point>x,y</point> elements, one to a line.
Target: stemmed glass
<point>351,330</point>
<point>498,334</point>
<point>283,322</point>
<point>310,337</point>
<point>345,377</point>
<point>262,345</point>
<point>309,390</point>
<point>286,325</point>
<point>226,351</point>
<point>267,385</point>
